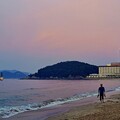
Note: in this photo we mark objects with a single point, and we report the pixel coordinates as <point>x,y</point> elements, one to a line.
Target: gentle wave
<point>6,112</point>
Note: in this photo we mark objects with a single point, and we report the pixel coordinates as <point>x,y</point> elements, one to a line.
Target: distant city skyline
<point>37,33</point>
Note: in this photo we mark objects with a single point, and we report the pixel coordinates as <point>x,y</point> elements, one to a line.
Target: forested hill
<point>66,70</point>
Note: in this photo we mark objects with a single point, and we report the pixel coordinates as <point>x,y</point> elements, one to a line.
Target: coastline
<point>82,109</point>
<point>43,114</point>
<point>109,110</point>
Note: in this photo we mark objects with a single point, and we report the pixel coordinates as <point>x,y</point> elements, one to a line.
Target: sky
<point>37,33</point>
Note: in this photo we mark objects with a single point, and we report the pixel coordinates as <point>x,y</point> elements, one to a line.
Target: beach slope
<point>110,110</point>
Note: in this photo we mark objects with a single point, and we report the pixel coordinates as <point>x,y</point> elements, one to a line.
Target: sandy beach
<point>109,110</point>
<point>44,114</point>
<point>79,110</point>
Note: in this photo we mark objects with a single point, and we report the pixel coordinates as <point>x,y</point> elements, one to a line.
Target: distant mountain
<point>66,70</point>
<point>15,74</point>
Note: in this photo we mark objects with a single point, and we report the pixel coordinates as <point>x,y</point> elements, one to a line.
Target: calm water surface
<point>32,94</point>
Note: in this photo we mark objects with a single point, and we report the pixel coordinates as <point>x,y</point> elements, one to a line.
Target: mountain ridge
<point>14,74</point>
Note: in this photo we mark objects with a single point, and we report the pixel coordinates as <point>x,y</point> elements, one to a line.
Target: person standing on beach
<point>101,92</point>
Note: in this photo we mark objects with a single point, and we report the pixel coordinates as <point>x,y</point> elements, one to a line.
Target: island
<point>65,70</point>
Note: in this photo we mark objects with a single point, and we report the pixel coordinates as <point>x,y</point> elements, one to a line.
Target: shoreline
<point>109,110</point>
<point>43,114</point>
<point>59,112</point>
<point>100,78</point>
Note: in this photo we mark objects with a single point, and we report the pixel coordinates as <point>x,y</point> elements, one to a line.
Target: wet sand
<point>86,109</point>
<point>43,114</point>
<point>109,110</point>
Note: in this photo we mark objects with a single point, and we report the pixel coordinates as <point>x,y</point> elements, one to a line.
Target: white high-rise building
<point>110,70</point>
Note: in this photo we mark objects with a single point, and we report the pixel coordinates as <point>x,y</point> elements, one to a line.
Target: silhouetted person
<point>101,92</point>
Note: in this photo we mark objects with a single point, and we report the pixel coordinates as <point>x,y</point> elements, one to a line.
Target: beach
<point>109,110</point>
<point>44,114</point>
<point>87,110</point>
<point>56,100</point>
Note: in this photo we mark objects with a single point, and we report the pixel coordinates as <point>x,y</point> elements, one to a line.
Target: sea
<point>19,96</point>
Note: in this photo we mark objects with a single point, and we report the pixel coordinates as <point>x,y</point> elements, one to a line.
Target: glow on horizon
<point>38,33</point>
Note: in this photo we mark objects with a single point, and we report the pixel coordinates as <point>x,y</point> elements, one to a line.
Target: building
<point>93,76</point>
<point>110,71</point>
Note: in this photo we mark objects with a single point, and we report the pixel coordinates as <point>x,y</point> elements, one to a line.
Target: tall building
<point>110,70</point>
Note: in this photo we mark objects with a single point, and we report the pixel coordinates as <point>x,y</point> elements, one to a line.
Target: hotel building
<point>108,71</point>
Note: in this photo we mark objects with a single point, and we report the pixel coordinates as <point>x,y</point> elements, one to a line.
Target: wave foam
<point>8,111</point>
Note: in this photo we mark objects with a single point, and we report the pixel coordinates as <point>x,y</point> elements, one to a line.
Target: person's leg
<point>101,98</point>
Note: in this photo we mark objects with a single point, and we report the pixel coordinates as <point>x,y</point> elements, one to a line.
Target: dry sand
<point>110,110</point>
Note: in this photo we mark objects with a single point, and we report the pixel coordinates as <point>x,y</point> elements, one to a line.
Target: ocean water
<point>18,96</point>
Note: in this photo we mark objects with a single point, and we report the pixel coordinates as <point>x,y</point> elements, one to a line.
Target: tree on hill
<point>68,69</point>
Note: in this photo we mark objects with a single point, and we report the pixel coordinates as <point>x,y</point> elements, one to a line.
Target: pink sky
<point>36,33</point>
